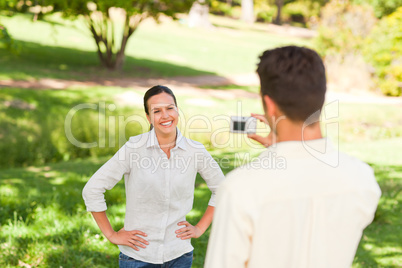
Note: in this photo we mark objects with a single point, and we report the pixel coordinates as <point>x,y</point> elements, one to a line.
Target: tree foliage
<point>383,49</point>
<point>343,28</point>
<point>5,38</point>
<point>105,19</point>
<point>6,41</point>
<point>382,7</point>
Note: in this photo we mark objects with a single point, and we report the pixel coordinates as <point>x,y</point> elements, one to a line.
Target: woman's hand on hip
<point>189,231</point>
<point>129,238</point>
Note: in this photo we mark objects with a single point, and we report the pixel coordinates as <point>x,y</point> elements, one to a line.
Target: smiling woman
<point>161,108</point>
<point>160,169</point>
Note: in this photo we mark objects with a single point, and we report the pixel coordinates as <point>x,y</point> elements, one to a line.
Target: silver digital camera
<point>243,124</point>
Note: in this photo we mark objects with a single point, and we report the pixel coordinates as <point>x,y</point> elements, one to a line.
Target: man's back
<point>304,213</point>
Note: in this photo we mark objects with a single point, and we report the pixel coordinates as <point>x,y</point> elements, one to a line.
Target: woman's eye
<point>170,108</point>
<point>156,112</point>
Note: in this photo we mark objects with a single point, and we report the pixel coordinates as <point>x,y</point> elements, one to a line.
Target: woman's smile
<point>167,124</point>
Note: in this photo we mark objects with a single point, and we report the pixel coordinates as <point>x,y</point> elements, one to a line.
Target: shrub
<point>32,126</point>
<point>343,28</point>
<point>220,8</point>
<point>383,50</point>
<point>295,13</point>
<point>382,8</point>
<point>341,36</point>
<point>5,39</point>
<point>264,12</point>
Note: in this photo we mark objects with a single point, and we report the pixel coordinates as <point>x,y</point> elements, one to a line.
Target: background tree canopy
<point>343,26</point>
<point>111,22</point>
<point>382,7</point>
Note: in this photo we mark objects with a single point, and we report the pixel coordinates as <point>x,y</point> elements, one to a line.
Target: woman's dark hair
<point>294,78</point>
<point>155,91</point>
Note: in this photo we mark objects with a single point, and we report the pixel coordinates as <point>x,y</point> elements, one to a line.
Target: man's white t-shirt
<point>293,207</point>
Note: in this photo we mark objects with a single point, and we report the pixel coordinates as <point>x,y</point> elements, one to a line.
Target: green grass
<point>380,245</point>
<point>252,89</point>
<point>43,221</point>
<point>42,216</point>
<point>64,49</point>
<point>33,124</point>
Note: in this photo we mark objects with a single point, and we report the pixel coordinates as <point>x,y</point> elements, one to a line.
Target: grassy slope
<point>65,50</point>
<point>43,219</point>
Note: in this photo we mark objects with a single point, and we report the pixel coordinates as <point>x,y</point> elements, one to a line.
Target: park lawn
<point>34,124</point>
<point>42,216</point>
<point>44,222</point>
<point>57,48</point>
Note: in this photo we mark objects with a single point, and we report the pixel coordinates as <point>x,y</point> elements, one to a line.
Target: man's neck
<point>290,131</point>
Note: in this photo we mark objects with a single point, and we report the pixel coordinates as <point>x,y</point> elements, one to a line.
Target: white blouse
<point>159,191</point>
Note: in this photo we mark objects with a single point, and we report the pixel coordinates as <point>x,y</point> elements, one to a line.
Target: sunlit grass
<point>43,221</point>
<point>64,49</point>
<point>43,218</point>
<point>42,215</point>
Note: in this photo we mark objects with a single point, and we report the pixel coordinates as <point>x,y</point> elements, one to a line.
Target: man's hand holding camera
<point>266,141</point>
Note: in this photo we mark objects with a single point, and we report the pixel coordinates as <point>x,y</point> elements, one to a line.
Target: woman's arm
<point>213,176</point>
<point>122,237</point>
<point>190,231</point>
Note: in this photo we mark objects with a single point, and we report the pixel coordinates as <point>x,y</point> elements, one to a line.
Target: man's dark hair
<point>294,78</point>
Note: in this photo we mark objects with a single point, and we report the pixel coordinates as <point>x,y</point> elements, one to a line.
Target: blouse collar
<point>153,140</point>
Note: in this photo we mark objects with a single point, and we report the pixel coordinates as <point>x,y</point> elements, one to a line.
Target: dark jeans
<point>184,261</point>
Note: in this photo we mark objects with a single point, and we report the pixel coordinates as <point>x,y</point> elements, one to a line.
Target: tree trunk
<point>247,11</point>
<point>279,5</point>
<point>199,15</point>
<point>105,42</point>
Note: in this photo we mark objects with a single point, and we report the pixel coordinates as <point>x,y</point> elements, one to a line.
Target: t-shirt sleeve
<point>105,178</point>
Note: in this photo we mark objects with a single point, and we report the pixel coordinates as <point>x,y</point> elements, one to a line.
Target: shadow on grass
<point>380,243</point>
<point>40,61</point>
<point>43,217</point>
<point>37,135</point>
<point>75,247</point>
<point>24,189</point>
<point>49,198</point>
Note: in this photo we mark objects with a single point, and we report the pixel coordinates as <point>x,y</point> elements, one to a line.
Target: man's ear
<point>270,106</point>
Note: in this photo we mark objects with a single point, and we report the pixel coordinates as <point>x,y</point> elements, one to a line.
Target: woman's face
<point>163,114</point>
